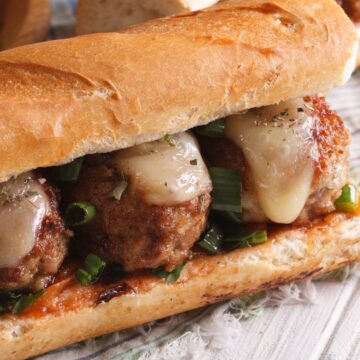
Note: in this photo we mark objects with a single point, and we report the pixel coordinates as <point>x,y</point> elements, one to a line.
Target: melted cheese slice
<point>23,205</point>
<point>279,149</point>
<point>166,173</point>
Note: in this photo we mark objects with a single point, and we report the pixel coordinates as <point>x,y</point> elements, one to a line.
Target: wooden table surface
<point>327,330</point>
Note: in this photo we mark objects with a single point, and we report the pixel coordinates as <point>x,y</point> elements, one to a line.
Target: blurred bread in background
<point>23,22</point>
<point>352,9</point>
<point>111,15</point>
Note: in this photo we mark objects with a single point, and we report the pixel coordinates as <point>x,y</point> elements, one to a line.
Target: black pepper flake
<point>300,109</point>
<point>193,162</point>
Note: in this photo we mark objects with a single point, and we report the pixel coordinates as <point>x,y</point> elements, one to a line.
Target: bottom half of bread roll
<point>69,312</point>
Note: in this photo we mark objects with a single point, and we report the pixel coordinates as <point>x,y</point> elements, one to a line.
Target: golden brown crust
<point>23,22</point>
<point>60,100</point>
<point>292,253</point>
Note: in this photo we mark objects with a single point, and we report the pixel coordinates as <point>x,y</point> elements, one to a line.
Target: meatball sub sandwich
<point>178,163</point>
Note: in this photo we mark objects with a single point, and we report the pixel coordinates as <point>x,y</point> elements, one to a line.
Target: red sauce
<point>67,294</point>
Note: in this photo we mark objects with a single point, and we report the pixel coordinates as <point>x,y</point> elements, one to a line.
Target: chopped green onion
<point>3,308</point>
<point>17,302</point>
<point>90,273</point>
<point>168,139</point>
<point>69,172</point>
<point>246,240</point>
<point>226,189</point>
<point>79,213</point>
<point>215,129</point>
<point>83,277</point>
<point>212,240</point>
<point>348,201</point>
<point>230,216</point>
<point>25,301</point>
<point>169,277</point>
<point>7,300</point>
<point>119,190</point>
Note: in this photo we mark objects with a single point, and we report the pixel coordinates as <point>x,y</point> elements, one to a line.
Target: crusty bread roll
<point>290,254</point>
<point>99,93</point>
<point>102,92</point>
<point>23,22</point>
<point>111,15</point>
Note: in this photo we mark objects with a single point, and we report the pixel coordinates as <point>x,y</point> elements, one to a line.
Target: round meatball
<point>132,232</point>
<point>36,270</point>
<point>331,164</point>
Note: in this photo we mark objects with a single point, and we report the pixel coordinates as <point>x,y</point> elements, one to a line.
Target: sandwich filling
<point>156,205</point>
<point>278,145</point>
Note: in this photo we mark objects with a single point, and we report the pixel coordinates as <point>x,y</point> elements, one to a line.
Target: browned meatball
<point>132,232</point>
<point>36,269</point>
<point>331,166</point>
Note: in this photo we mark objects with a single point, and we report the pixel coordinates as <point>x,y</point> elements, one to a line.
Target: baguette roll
<point>103,92</point>
<point>99,93</point>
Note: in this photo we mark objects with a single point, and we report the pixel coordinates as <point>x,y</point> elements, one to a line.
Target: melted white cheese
<point>167,174</point>
<point>23,205</point>
<point>279,148</point>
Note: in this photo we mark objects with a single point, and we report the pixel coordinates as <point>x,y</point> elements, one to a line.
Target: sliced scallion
<point>83,277</point>
<point>348,201</point>
<point>7,300</point>
<point>230,216</point>
<point>169,277</point>
<point>226,189</point>
<point>244,240</point>
<point>25,301</point>
<point>168,139</point>
<point>215,129</point>
<point>91,271</point>
<point>212,240</point>
<point>79,213</point>
<point>69,172</point>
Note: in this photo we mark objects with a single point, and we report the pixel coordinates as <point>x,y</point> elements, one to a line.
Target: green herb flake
<point>245,240</point>
<point>212,240</point>
<point>168,139</point>
<point>69,172</point>
<point>25,301</point>
<point>348,201</point>
<point>169,277</point>
<point>91,270</point>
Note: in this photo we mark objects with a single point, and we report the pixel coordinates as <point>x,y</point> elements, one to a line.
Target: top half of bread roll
<point>97,93</point>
